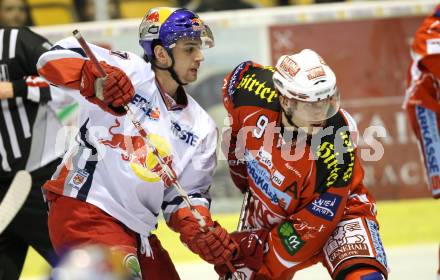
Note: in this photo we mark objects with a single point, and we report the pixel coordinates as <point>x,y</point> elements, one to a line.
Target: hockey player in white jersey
<point>107,189</point>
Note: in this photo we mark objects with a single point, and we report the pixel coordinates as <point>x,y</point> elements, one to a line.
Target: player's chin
<point>191,77</point>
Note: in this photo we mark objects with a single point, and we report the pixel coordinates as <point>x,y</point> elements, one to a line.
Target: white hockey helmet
<point>309,84</point>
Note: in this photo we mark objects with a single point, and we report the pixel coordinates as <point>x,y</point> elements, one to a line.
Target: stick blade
<point>15,197</point>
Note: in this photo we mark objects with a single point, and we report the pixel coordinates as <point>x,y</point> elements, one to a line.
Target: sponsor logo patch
<point>289,238</point>
<point>427,120</point>
<point>350,239</point>
<point>377,243</point>
<point>262,89</point>
<point>433,46</point>
<point>315,73</point>
<point>277,178</point>
<point>184,133</point>
<point>325,206</point>
<point>265,158</point>
<point>262,180</point>
<point>153,113</point>
<point>78,179</point>
<point>289,67</point>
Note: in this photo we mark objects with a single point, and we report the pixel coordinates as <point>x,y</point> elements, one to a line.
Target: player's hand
<point>249,257</point>
<point>184,222</point>
<point>109,93</point>
<point>214,245</point>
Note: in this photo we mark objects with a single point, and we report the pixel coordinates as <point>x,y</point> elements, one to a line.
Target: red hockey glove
<point>109,93</point>
<point>249,257</point>
<point>166,179</point>
<point>214,245</point>
<point>183,221</point>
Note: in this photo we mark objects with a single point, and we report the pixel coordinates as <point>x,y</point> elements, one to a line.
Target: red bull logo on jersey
<point>131,147</point>
<point>134,150</point>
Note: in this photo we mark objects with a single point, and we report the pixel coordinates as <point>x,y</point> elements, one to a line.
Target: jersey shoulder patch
<point>251,84</point>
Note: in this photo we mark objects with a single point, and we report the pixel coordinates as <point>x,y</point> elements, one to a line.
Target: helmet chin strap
<point>288,118</point>
<point>171,70</point>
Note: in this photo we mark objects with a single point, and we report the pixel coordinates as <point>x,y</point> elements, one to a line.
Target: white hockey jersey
<point>104,163</point>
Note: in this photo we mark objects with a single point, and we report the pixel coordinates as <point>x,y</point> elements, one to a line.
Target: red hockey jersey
<point>422,100</point>
<point>301,187</point>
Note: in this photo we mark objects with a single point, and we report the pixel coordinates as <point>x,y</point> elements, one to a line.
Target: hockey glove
<point>214,245</point>
<point>183,221</point>
<point>109,93</point>
<point>249,256</point>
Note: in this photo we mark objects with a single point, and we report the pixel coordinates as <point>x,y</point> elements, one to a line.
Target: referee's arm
<point>29,47</point>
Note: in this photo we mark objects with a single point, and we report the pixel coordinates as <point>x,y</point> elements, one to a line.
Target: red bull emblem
<point>153,17</point>
<point>197,24</point>
<point>78,179</point>
<point>132,148</point>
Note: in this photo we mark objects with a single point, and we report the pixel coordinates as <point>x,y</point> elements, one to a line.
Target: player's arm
<point>431,64</point>
<point>67,65</point>
<point>211,243</point>
<point>233,152</point>
<point>30,46</point>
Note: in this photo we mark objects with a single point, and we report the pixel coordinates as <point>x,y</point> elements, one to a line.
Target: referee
<point>28,131</point>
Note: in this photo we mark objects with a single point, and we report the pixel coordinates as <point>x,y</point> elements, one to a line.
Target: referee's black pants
<point>29,227</point>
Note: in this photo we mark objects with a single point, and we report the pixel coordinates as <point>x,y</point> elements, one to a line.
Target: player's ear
<point>161,55</point>
<point>283,100</point>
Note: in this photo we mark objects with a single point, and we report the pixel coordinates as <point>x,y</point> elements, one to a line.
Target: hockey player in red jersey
<point>423,96</point>
<point>109,189</point>
<point>422,101</point>
<point>293,149</point>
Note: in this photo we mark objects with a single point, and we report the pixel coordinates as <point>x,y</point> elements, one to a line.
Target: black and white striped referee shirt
<point>28,122</point>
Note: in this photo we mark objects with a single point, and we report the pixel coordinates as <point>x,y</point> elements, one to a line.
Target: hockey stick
<point>243,212</point>
<point>165,167</point>
<point>241,223</point>
<point>15,197</point>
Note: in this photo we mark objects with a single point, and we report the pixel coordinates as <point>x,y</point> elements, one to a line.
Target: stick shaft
<point>89,52</point>
<point>243,212</point>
